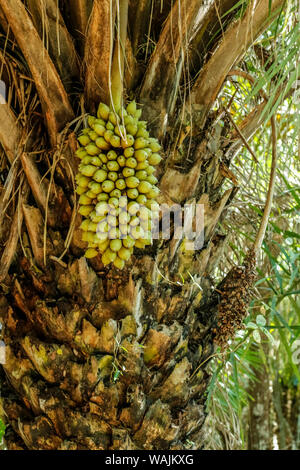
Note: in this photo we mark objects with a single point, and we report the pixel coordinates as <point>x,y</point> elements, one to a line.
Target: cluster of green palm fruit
<point>116,183</point>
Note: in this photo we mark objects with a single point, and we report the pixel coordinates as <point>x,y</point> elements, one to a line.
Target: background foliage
<point>270,342</point>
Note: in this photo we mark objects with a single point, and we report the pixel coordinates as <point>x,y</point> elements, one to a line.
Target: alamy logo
<point>296,95</point>
<point>2,92</point>
<point>154,222</point>
<point>296,352</point>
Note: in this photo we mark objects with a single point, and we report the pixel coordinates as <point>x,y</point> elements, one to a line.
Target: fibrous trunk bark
<point>97,358</point>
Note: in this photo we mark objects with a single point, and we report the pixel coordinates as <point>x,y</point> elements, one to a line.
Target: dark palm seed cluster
<point>235,295</point>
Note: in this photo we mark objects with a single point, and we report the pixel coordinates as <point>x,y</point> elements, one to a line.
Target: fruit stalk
<point>117,68</point>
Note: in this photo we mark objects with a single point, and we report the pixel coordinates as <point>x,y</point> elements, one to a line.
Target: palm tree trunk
<point>98,358</point>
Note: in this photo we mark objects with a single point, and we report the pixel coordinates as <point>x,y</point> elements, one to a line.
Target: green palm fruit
<point>150,169</point>
<point>141,199</point>
<point>113,165</point>
<point>123,202</point>
<point>120,130</point>
<point>102,208</point>
<point>155,159</point>
<point>102,196</point>
<point>103,158</point>
<point>141,155</point>
<point>100,176</point>
<point>154,145</point>
<point>112,155</point>
<point>144,187</point>
<point>142,133</point>
<point>124,218</point>
<point>93,135</point>
<point>109,126</point>
<point>84,140</point>
<point>88,170</point>
<point>153,193</point>
<point>113,201</point>
<point>86,160</point>
<point>91,195</point>
<point>96,218</point>
<point>124,253</point>
<point>85,225</point>
<point>131,162</point>
<point>132,182</point>
<point>103,111</point>
<point>128,242</point>
<point>84,236</point>
<point>103,227</point>
<point>112,217</point>
<point>137,232</point>
<point>115,245</point>
<point>142,165</point>
<point>99,121</point>
<point>128,142</point>
<point>129,152</point>
<point>139,244</point>
<point>105,259</point>
<point>92,149</point>
<point>134,221</point>
<point>116,193</point>
<point>83,181</point>
<point>138,114</point>
<point>92,245</point>
<point>140,143</point>
<point>91,253</point>
<point>103,245</point>
<point>101,237</point>
<point>133,207</point>
<point>99,129</point>
<point>112,175</point>
<point>121,160</point>
<point>127,172</point>
<point>119,263</point>
<point>122,113</point>
<point>147,238</point>
<point>141,175</point>
<point>80,190</point>
<point>128,119</point>
<point>115,141</point>
<point>88,237</point>
<point>120,184</point>
<point>132,193</point>
<point>132,128</point>
<point>142,124</point>
<point>102,143</point>
<point>108,135</point>
<point>152,179</point>
<point>144,213</point>
<point>96,161</point>
<point>111,254</point>
<point>81,152</point>
<point>131,108</point>
<point>123,230</point>
<point>114,233</point>
<point>93,226</point>
<point>95,187</point>
<point>91,120</point>
<point>113,118</point>
<point>152,205</point>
